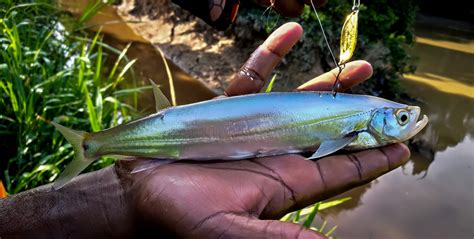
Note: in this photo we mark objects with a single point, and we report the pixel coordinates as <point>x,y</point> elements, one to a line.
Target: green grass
<point>307,216</point>
<point>49,69</point>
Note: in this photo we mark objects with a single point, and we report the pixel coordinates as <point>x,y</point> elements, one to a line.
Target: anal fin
<point>331,146</point>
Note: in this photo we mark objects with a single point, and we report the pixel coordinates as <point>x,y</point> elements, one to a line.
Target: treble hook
<point>337,82</point>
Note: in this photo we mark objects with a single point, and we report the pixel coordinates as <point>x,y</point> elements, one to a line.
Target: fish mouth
<point>420,125</point>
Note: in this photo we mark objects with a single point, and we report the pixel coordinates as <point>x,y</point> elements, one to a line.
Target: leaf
<point>330,231</point>
<point>170,77</point>
<point>124,70</point>
<point>92,113</point>
<point>286,218</point>
<point>324,205</point>
<point>270,85</point>
<point>312,215</point>
<point>321,228</point>
<point>348,37</point>
<point>297,216</point>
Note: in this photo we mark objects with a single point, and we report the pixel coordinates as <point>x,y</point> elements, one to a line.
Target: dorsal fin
<point>161,102</point>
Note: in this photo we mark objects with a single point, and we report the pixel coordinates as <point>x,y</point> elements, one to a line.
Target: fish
<point>249,126</point>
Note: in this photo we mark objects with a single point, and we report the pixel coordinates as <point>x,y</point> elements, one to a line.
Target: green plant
<point>49,72</point>
<point>307,216</point>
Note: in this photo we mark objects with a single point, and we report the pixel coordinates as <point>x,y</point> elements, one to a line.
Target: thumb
<point>242,226</point>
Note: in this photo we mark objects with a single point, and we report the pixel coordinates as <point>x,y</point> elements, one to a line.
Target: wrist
<point>145,199</point>
<point>93,205</point>
<point>105,210</point>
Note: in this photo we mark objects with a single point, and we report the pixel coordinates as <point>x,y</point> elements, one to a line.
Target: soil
<point>206,54</point>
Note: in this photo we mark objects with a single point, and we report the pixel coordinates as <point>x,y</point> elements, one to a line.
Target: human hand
<point>239,199</point>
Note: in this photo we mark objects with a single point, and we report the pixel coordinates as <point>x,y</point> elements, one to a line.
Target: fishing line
<point>336,82</point>
<point>268,15</point>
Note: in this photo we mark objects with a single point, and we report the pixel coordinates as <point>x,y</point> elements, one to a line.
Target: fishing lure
<point>349,35</point>
<point>347,43</point>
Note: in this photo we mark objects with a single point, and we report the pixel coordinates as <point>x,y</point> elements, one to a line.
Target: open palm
<point>239,199</point>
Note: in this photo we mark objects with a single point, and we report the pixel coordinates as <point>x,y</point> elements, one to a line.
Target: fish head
<point>390,124</point>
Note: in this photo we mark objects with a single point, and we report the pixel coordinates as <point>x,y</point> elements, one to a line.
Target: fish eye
<point>403,117</point>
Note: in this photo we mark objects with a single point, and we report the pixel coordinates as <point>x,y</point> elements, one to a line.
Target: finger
<point>353,73</point>
<point>251,77</point>
<point>312,181</point>
<point>232,225</point>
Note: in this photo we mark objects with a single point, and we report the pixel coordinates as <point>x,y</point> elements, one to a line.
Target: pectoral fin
<point>331,146</point>
<point>160,99</point>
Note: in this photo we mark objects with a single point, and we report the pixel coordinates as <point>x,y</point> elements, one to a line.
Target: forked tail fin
<point>79,163</point>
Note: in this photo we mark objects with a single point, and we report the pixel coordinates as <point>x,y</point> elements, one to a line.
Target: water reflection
<point>432,196</point>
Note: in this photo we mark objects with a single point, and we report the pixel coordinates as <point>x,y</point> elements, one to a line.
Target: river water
<point>432,196</point>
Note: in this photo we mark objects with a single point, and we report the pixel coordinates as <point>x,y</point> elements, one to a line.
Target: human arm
<point>93,205</point>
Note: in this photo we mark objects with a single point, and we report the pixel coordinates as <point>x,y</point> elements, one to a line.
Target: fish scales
<point>237,126</point>
<point>252,126</point>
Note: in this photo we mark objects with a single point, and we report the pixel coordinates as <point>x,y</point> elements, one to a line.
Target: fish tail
<point>80,162</point>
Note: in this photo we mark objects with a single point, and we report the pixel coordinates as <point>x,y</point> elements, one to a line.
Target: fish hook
<point>336,82</point>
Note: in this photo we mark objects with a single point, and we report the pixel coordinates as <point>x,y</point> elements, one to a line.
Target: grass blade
<point>312,215</point>
<point>170,77</point>
<point>297,216</point>
<point>330,231</point>
<point>321,229</point>
<point>270,85</point>
<point>326,205</point>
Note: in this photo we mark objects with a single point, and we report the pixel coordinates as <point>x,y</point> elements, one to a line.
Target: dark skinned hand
<point>244,198</point>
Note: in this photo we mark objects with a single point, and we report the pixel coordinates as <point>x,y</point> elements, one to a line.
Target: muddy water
<point>432,196</point>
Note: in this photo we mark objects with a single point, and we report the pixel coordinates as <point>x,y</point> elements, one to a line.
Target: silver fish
<point>250,126</point>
